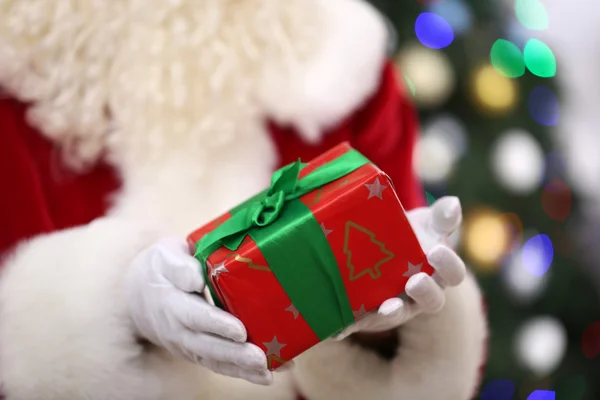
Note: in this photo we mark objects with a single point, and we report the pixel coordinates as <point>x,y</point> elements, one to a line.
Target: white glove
<point>433,226</point>
<point>162,291</point>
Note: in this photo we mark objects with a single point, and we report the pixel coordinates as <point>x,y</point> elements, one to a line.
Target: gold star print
<point>274,347</point>
<point>218,270</point>
<point>375,189</point>
<point>361,312</point>
<point>325,230</point>
<point>274,352</point>
<point>412,270</point>
<point>292,308</point>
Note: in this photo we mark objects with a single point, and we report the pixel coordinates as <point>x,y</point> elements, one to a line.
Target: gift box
<point>324,245</point>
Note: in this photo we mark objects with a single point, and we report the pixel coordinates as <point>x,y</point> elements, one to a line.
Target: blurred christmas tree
<point>488,101</point>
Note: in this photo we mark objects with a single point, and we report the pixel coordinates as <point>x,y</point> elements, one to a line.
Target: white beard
<point>131,77</point>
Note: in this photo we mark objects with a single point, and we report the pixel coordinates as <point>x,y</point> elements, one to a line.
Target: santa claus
<point>128,123</point>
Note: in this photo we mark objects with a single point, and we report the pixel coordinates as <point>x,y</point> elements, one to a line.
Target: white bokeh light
<point>540,344</point>
<point>518,161</point>
<point>435,157</point>
<point>452,129</point>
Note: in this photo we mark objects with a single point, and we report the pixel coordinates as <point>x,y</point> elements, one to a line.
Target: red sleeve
<point>40,195</point>
<point>385,130</point>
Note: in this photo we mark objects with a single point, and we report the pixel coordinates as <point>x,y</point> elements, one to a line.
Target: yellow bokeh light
<point>494,92</point>
<point>487,238</point>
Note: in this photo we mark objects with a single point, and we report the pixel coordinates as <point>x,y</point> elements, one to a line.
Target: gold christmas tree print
<point>249,261</point>
<point>358,238</point>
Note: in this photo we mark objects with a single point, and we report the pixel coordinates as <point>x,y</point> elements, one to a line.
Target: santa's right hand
<point>162,288</point>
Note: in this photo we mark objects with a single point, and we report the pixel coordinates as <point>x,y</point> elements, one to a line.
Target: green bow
<point>292,242</point>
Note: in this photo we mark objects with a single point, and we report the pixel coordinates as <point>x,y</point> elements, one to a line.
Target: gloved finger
<point>199,316</point>
<point>244,355</point>
<point>426,293</point>
<point>449,266</point>
<point>178,266</point>
<point>263,377</point>
<point>446,214</point>
<point>391,314</point>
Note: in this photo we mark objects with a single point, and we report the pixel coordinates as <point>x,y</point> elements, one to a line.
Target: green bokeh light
<point>430,198</point>
<point>539,59</point>
<point>410,84</point>
<point>507,59</point>
<point>532,14</point>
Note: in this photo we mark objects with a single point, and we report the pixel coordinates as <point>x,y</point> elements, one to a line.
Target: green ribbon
<point>292,242</point>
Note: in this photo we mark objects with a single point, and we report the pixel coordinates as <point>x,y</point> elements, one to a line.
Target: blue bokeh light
<point>537,254</point>
<point>456,12</point>
<point>543,106</point>
<point>499,389</point>
<point>542,395</point>
<point>433,31</point>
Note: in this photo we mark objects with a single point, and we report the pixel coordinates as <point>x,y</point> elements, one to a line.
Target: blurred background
<point>508,92</point>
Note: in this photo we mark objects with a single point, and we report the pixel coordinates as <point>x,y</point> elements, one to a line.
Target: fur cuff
<point>439,357</point>
<point>346,69</point>
<point>64,328</point>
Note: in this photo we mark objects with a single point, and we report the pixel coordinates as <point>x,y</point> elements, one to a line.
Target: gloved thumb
<point>178,266</point>
<point>446,215</point>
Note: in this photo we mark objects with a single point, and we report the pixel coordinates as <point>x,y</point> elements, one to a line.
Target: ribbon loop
<point>269,209</point>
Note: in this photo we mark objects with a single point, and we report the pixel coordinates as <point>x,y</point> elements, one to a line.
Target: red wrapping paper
<point>369,233</point>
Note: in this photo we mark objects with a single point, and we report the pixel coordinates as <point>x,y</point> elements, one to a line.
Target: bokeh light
<point>410,85</point>
<point>430,198</point>
<point>433,30</point>
<point>434,157</point>
<point>518,161</point>
<point>542,395</point>
<point>451,129</point>
<point>540,344</point>
<point>456,12</point>
<point>429,72</point>
<point>590,341</point>
<point>537,254</point>
<point>532,14</point>
<point>499,389</point>
<point>539,59</point>
<point>523,286</point>
<point>486,238</point>
<point>494,92</point>
<point>543,106</point>
<point>557,200</point>
<point>531,384</point>
<point>507,58</point>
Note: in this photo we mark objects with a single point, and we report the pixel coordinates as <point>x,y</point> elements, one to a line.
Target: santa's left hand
<point>424,294</point>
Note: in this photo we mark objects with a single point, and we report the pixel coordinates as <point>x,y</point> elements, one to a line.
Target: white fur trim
<point>64,329</point>
<point>439,358</point>
<point>345,70</point>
